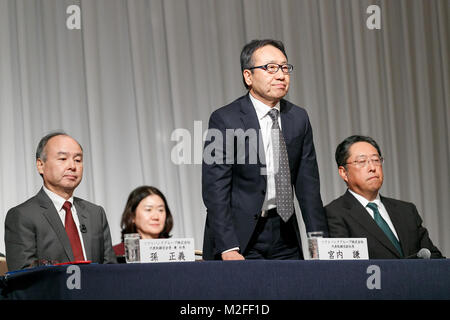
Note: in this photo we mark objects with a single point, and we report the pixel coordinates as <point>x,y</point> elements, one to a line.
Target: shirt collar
<point>364,201</point>
<point>57,200</point>
<point>261,108</point>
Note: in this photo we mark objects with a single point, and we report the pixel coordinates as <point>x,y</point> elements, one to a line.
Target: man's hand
<point>232,255</point>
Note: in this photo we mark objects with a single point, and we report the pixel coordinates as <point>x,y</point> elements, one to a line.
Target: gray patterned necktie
<point>283,188</point>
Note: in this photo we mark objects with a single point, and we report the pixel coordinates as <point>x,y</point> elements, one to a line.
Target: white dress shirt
<point>381,209</point>
<point>58,202</point>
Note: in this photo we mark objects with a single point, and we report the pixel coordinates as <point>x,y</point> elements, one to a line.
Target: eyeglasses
<point>363,162</point>
<point>273,68</point>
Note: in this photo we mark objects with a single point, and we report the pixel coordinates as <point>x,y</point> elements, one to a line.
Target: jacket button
<point>255,216</point>
<point>263,191</point>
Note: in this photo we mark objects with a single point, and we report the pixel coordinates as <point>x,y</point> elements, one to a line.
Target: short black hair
<point>251,47</point>
<point>342,150</point>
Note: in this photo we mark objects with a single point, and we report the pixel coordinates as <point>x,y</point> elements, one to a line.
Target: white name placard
<point>167,250</point>
<point>342,249</point>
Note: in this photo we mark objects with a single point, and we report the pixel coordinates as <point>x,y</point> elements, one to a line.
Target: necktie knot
<point>373,206</point>
<point>273,114</point>
<point>67,205</point>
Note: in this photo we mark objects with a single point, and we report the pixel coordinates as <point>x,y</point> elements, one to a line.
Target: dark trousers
<point>274,239</point>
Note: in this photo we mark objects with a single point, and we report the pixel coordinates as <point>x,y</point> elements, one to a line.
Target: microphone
<point>83,228</point>
<point>423,253</point>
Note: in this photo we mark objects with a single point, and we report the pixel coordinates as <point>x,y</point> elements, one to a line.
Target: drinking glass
<point>132,252</point>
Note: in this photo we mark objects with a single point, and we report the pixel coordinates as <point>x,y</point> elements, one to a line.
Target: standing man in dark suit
<point>53,225</point>
<point>393,228</point>
<point>258,148</point>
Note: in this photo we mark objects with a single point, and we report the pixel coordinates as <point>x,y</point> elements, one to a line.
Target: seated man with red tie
<point>393,228</point>
<point>54,225</point>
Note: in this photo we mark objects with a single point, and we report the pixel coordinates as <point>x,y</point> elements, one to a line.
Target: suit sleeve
<point>216,185</point>
<point>20,240</point>
<point>423,237</point>
<point>336,224</point>
<point>307,186</point>
<point>108,251</point>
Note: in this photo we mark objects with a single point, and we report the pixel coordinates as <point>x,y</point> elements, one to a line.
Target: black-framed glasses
<point>274,67</point>
<point>363,162</point>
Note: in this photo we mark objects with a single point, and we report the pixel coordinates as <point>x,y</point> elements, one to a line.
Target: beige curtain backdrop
<point>138,70</point>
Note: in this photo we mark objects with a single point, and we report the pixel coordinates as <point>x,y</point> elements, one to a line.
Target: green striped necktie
<point>384,226</point>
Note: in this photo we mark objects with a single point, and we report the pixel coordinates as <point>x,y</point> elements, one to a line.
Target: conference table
<point>251,280</point>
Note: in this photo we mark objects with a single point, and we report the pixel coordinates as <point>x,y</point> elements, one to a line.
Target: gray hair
<point>40,151</point>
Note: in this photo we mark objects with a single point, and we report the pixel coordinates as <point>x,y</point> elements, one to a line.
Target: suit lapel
<point>361,216</point>
<point>55,222</point>
<point>249,119</point>
<point>287,122</point>
<point>83,219</point>
<point>395,214</point>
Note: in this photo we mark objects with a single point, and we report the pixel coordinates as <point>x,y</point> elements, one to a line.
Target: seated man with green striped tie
<point>393,228</point>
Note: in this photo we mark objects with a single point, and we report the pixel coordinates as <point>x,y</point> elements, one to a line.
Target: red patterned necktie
<point>72,233</point>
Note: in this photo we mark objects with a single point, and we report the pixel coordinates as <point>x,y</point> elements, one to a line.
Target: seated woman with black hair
<point>146,213</point>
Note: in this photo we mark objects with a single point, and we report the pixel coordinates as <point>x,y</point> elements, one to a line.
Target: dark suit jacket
<point>347,218</point>
<point>234,192</point>
<point>34,231</point>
